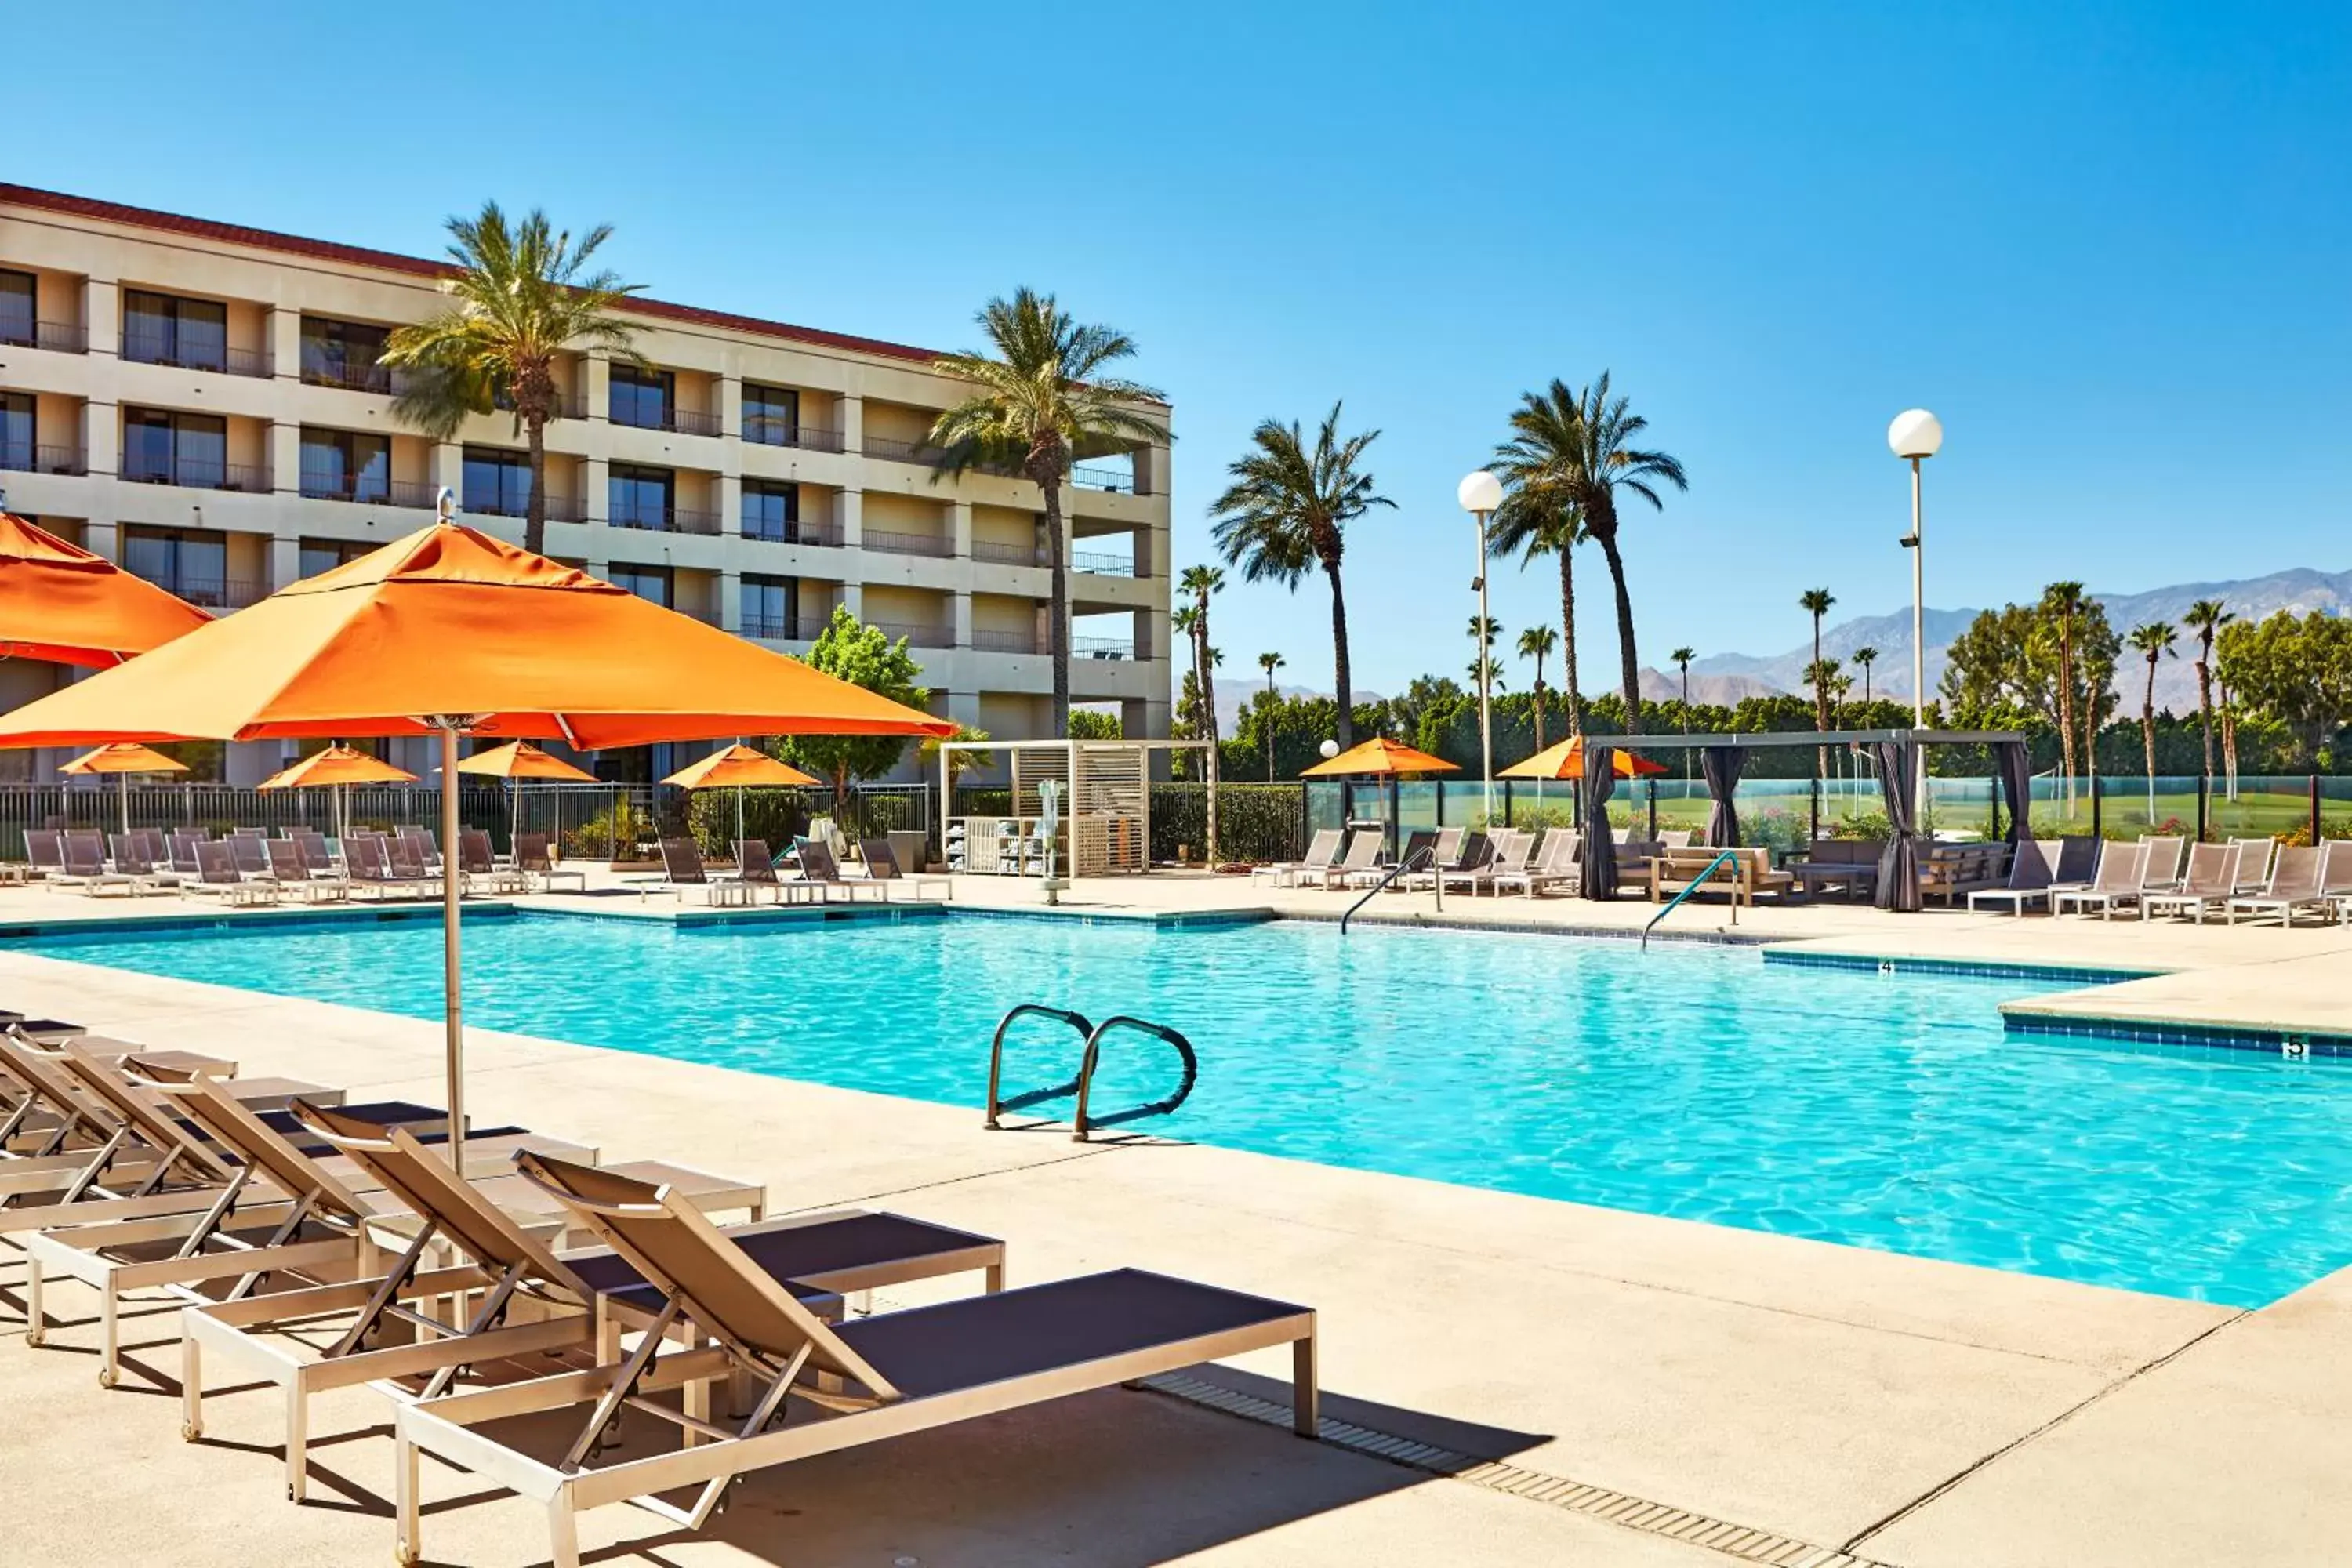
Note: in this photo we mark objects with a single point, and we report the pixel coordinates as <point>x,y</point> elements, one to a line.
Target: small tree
<point>862,655</point>
<point>958,762</point>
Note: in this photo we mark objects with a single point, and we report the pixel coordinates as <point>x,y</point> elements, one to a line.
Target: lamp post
<point>1915,436</point>
<point>1480,494</point>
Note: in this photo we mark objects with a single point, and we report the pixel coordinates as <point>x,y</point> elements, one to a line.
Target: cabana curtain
<point>2016,786</point>
<point>1898,867</point>
<point>1721,764</point>
<point>1599,881</point>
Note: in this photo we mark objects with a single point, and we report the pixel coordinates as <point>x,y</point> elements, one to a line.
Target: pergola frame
<point>1766,740</point>
<point>1070,752</point>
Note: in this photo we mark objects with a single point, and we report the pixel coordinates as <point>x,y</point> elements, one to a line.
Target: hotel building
<point>201,403</point>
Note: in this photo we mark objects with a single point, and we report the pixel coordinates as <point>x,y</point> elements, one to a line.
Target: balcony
<point>196,474</point>
<point>1102,648</point>
<point>921,452</point>
<point>366,489</point>
<point>774,628</point>
<point>664,519</point>
<point>24,458</point>
<point>1094,566</point>
<point>380,379</point>
<point>916,635</point>
<point>908,543</point>
<point>215,593</point>
<point>676,420</point>
<point>1006,554</point>
<point>828,533</point>
<point>1116,480</point>
<point>768,430</point>
<point>1004,642</point>
<point>58,337</point>
<point>140,348</point>
<point>560,508</point>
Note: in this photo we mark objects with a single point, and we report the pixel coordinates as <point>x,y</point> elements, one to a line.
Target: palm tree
<point>522,294</point>
<point>1288,510</point>
<point>1816,602</point>
<point>1537,519</point>
<point>2063,602</point>
<point>1865,657</point>
<point>1200,581</point>
<point>1537,643</point>
<point>1574,447</point>
<point>1682,657</point>
<point>2206,618</point>
<point>2155,641</point>
<point>1270,662</point>
<point>1040,401</point>
<point>1483,659</point>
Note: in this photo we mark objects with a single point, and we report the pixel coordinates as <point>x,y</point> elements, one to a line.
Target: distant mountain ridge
<point>2300,590</point>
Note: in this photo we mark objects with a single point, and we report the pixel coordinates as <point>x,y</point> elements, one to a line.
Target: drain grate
<point>1737,1541</point>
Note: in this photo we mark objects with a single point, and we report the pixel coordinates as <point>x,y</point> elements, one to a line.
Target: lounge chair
<point>882,865</point>
<point>133,859</point>
<point>1507,853</point>
<point>2296,883</point>
<point>818,867</point>
<point>2032,871</point>
<point>682,869</point>
<point>367,869</point>
<point>2211,883</point>
<point>421,839</point>
<point>290,870</point>
<point>1443,854</point>
<point>2117,882</point>
<point>2335,876</point>
<point>1362,854</point>
<point>85,867</point>
<point>576,1302</point>
<point>44,852</point>
<point>217,877</point>
<point>1554,865</point>
<point>755,867</point>
<point>535,859</point>
<point>184,851</point>
<point>881,1377</point>
<point>2163,870</point>
<point>1322,851</point>
<point>478,862</point>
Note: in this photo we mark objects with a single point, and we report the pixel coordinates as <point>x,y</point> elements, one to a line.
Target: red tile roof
<point>418,266</point>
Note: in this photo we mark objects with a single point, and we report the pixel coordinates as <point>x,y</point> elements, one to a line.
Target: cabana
<point>1101,826</point>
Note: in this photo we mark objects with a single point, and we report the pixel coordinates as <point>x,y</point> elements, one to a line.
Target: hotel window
<point>18,298</point>
<point>163,329</point>
<point>770,606</point>
<point>648,582</point>
<point>771,510</point>
<point>15,430</point>
<point>326,554</point>
<point>640,498</point>
<point>344,354</point>
<point>165,448</point>
<point>344,465</point>
<point>498,483</point>
<point>772,415</point>
<point>192,565</point>
<point>643,397</point>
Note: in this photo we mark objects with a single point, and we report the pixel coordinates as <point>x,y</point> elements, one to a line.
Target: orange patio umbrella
<point>519,760</point>
<point>1382,757</point>
<point>741,767</point>
<point>451,632</point>
<point>62,604</point>
<point>122,759</point>
<point>1565,759</point>
<point>338,766</point>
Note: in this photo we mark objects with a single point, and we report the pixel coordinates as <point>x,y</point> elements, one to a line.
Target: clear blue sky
<point>2106,243</point>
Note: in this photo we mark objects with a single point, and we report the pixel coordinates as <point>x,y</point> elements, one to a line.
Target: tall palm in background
<point>1539,517</point>
<point>1481,664</point>
<point>1865,657</point>
<point>2152,641</point>
<point>1682,657</point>
<point>1270,662</point>
<point>1816,602</point>
<point>2206,618</point>
<point>522,294</point>
<point>2063,604</point>
<point>1537,643</point>
<point>1040,401</point>
<point>1200,581</point>
<point>1287,511</point>
<point>1578,447</point>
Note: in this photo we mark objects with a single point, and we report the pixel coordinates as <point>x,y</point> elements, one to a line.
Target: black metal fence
<point>220,807</point>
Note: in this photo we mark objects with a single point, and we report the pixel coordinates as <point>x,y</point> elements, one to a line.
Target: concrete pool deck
<point>1647,1391</point>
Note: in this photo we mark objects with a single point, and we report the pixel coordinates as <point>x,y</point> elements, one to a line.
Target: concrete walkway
<point>1644,1391</point>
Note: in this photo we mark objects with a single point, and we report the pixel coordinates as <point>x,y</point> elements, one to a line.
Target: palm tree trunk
<point>1205,686</point>
<point>1057,562</point>
<point>1630,671</point>
<point>2147,739</point>
<point>1347,724</point>
<point>1567,639</point>
<point>534,518</point>
<point>2205,707</point>
<point>2066,713</point>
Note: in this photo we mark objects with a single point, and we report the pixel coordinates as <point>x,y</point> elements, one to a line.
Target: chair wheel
<point>190,1432</point>
<point>108,1377</point>
<point>406,1556</point>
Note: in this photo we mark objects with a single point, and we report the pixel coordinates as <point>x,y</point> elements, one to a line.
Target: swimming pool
<point>1693,1081</point>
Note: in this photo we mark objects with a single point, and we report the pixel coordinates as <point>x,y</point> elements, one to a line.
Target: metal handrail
<point>997,1106</point>
<point>1427,854</point>
<point>1695,884</point>
<point>1158,1107</point>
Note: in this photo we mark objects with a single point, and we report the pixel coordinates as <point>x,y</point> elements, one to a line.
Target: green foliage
<point>1869,824</point>
<point>1088,724</point>
<point>1298,726</point>
<point>1256,823</point>
<point>862,655</point>
<point>958,762</point>
<point>2293,671</point>
<point>2003,672</point>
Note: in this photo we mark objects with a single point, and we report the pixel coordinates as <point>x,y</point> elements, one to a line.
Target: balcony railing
<point>365,491</point>
<point>1095,565</point>
<point>143,347</point>
<point>1006,554</point>
<point>214,592</point>
<point>560,508</point>
<point>1102,648</point>
<point>828,533</point>
<point>381,379</point>
<point>1004,642</point>
<point>908,543</point>
<point>58,337</point>
<point>916,635</point>
<point>768,430</point>
<point>684,422</point>
<point>901,451</point>
<point>26,458</point>
<point>666,518</point>
<point>1093,476</point>
<point>196,474</point>
<point>561,407</point>
<point>774,628</point>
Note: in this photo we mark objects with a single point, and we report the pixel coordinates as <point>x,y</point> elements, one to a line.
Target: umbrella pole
<point>124,779</point>
<point>739,817</point>
<point>452,1005</point>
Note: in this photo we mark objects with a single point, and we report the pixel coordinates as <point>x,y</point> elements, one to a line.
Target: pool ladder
<point>1090,1057</point>
<point>1416,861</point>
<point>1695,884</point>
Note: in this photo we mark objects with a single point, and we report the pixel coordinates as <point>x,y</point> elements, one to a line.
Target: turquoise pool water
<point>1698,1082</point>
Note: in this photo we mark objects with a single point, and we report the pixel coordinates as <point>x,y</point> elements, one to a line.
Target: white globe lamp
<point>1480,492</point>
<point>1329,749</point>
<point>1916,432</point>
